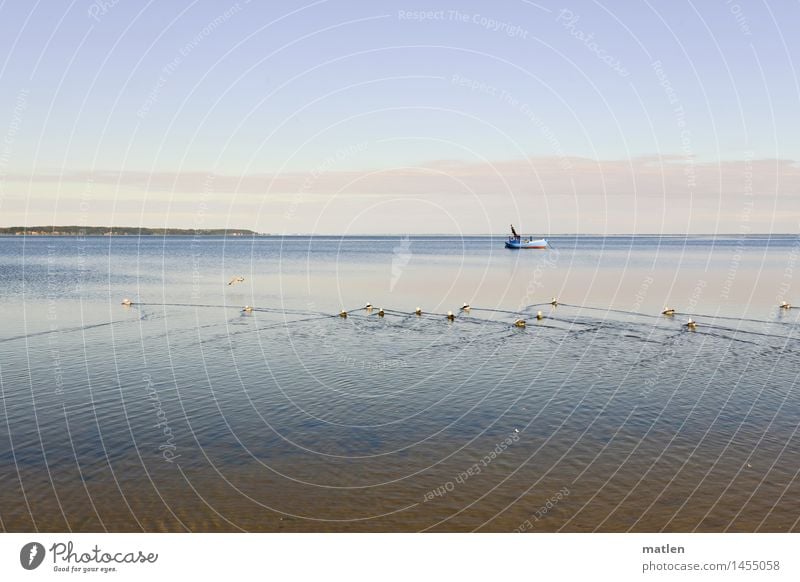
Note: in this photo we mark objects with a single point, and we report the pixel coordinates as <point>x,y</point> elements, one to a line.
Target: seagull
<point>539,315</point>
<point>380,312</point>
<point>691,324</point>
<point>247,309</point>
<point>450,316</point>
<point>342,313</point>
<point>465,307</point>
<point>418,311</point>
<point>127,302</point>
<point>668,311</point>
<point>519,323</point>
<point>554,302</point>
<point>235,280</point>
<point>785,305</point>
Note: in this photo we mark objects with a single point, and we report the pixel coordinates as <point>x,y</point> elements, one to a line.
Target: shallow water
<point>184,413</point>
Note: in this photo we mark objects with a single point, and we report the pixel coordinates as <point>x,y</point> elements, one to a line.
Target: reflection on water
<point>184,413</point>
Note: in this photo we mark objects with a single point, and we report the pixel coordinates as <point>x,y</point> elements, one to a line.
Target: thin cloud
<point>652,176</point>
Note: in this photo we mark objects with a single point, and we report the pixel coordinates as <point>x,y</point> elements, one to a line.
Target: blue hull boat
<point>518,243</point>
<point>515,241</point>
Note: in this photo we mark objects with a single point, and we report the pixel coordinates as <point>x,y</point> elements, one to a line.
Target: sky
<point>341,117</point>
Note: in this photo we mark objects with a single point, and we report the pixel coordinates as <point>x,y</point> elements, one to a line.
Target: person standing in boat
<point>514,234</point>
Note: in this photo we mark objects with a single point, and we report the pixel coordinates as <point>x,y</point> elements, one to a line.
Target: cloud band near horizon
<point>551,194</point>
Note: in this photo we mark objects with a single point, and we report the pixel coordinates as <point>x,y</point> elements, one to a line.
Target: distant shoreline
<point>122,231</point>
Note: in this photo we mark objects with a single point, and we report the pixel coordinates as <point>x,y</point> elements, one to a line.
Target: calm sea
<point>183,412</point>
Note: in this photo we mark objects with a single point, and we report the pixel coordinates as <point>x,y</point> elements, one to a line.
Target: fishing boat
<point>515,241</point>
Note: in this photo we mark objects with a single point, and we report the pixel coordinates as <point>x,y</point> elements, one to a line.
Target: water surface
<point>184,413</point>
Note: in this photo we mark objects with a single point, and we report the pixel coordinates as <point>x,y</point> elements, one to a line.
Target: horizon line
<point>250,232</point>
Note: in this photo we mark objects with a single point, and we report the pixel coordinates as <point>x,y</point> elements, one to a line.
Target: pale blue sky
<point>112,113</point>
